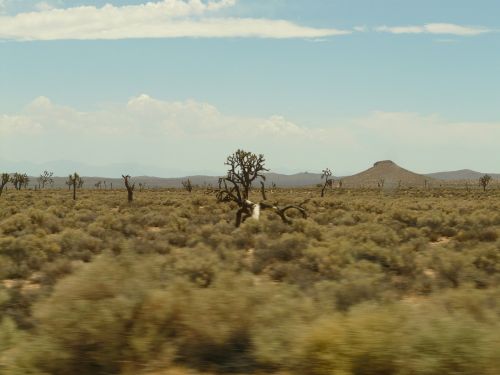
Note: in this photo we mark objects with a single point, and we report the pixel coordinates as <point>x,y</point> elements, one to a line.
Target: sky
<point>171,88</point>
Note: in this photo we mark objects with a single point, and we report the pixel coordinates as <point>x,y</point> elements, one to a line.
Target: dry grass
<point>168,282</point>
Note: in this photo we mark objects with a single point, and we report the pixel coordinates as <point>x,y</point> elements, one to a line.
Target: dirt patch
<point>441,241</point>
<point>430,273</point>
<point>153,229</point>
<point>176,371</point>
<point>414,300</point>
<point>25,285</point>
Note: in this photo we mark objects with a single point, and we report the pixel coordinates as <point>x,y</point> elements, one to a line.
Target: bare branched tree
<point>327,174</point>
<point>245,168</point>
<point>4,181</point>
<point>130,188</point>
<point>187,185</point>
<point>45,178</point>
<point>484,181</point>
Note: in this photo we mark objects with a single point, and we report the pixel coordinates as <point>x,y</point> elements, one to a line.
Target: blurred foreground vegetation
<point>406,282</point>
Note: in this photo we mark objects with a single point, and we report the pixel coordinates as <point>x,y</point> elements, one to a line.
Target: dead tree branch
<point>130,188</point>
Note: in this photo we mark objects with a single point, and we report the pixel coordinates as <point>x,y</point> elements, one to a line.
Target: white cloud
<point>18,124</point>
<point>162,19</point>
<point>188,134</point>
<point>435,28</point>
<point>196,135</point>
<point>145,116</point>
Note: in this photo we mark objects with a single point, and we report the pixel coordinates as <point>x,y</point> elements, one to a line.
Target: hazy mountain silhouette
<point>388,171</point>
<point>462,174</point>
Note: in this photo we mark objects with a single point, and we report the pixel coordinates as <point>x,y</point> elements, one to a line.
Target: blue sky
<point>175,86</point>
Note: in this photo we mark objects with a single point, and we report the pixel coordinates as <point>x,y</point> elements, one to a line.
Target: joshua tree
<point>485,181</point>
<point>76,181</point>
<point>4,181</point>
<point>381,183</point>
<point>15,180</point>
<point>244,168</point>
<point>327,174</point>
<point>130,188</point>
<point>187,185</point>
<point>19,180</point>
<point>45,178</point>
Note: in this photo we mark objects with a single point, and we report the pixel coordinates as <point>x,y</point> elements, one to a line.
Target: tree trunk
<point>323,190</point>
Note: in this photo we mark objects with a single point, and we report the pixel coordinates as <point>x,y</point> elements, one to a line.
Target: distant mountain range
<point>65,167</point>
<point>462,174</point>
<point>385,171</point>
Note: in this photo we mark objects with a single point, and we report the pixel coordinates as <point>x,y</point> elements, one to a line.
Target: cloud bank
<point>162,19</point>
<point>178,19</point>
<point>196,135</point>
